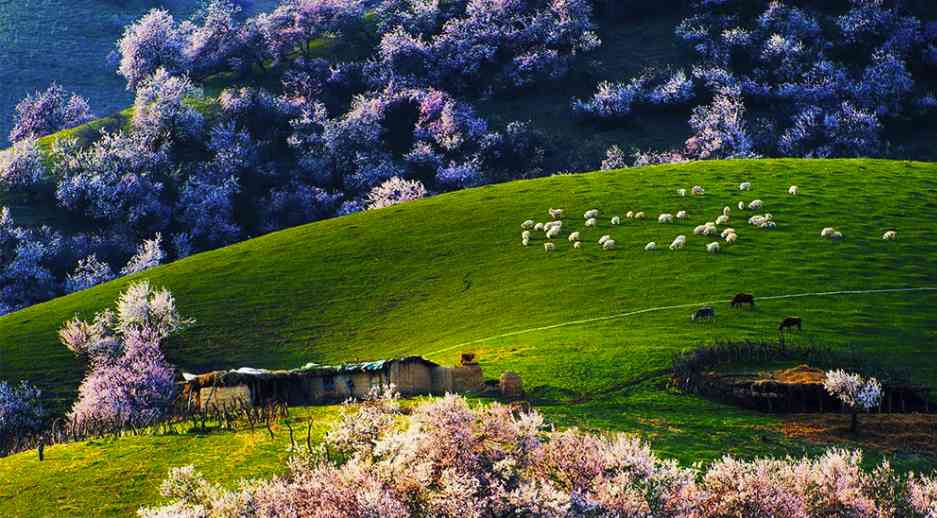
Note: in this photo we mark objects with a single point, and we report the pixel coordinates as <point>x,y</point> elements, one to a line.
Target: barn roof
<point>249,374</point>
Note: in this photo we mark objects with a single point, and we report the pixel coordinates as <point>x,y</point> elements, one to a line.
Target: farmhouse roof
<point>248,374</point>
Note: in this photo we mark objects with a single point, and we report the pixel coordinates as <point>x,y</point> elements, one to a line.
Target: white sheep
<point>525,235</point>
<point>553,232</point>
<point>574,237</point>
<point>768,225</point>
<point>769,216</point>
<point>890,235</point>
<point>757,220</point>
<point>713,247</point>
<point>731,238</point>
<point>538,227</point>
<point>682,214</point>
<point>756,205</point>
<point>726,211</point>
<point>699,230</point>
<point>793,190</point>
<point>630,214</point>
<point>608,245</point>
<point>678,243</point>
<point>698,191</point>
<point>549,247</point>
<point>650,247</point>
<point>722,220</point>
<point>591,222</point>
<point>591,214</point>
<point>665,218</point>
<point>552,224</point>
<point>745,186</point>
<point>556,213</point>
<point>616,220</point>
<point>525,242</point>
<point>727,231</point>
<point>741,205</point>
<point>638,215</point>
<point>527,225</point>
<point>681,192</point>
<point>577,244</point>
<point>827,232</point>
<point>837,236</point>
<point>604,238</point>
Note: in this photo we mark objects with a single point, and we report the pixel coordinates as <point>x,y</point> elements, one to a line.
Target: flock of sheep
<point>553,229</point>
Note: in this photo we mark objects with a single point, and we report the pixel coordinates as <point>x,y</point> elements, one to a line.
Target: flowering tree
<point>855,392</point>
<point>21,166</point>
<point>394,191</point>
<point>129,381</point>
<point>447,459</point>
<point>149,254</point>
<point>21,411</point>
<point>89,272</point>
<point>152,42</point>
<point>160,113</point>
<point>46,112</point>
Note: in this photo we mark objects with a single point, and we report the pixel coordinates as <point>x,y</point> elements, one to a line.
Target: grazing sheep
<point>591,222</point>
<point>638,215</point>
<point>698,191</point>
<point>756,205</point>
<point>538,227</point>
<point>837,236</point>
<point>713,247</point>
<point>790,323</point>
<point>678,243</point>
<point>630,214</point>
<point>604,238</point>
<point>553,232</point>
<point>525,235</point>
<point>591,214</point>
<point>577,244</point>
<point>768,225</point>
<point>711,229</point>
<point>574,237</point>
<point>722,220</point>
<point>558,225</point>
<point>769,216</point>
<point>741,205</point>
<point>827,232</point>
<point>891,235</point>
<point>681,192</point>
<point>608,245</point>
<point>549,247</point>
<point>731,238</point>
<point>665,218</point>
<point>556,213</point>
<point>650,247</point>
<point>682,214</point>
<point>793,190</point>
<point>757,220</point>
<point>727,231</point>
<point>699,230</point>
<point>743,298</point>
<point>707,313</point>
<point>616,220</point>
<point>726,211</point>
<point>745,186</point>
<point>527,225</point>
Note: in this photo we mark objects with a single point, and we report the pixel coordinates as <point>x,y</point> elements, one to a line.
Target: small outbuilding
<point>314,383</point>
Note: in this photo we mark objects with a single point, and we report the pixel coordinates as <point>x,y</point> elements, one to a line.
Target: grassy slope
<point>425,277</point>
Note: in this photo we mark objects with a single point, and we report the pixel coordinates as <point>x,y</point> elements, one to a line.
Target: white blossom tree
<point>856,392</point>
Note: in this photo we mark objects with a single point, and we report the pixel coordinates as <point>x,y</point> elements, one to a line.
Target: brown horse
<point>743,298</point>
<point>790,323</point>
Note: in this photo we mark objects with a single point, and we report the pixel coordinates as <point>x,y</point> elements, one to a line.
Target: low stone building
<point>314,383</point>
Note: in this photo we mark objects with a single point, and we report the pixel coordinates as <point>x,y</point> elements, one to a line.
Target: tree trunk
<point>854,423</point>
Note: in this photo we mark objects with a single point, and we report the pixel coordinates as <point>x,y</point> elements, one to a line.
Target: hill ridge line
<point>570,323</point>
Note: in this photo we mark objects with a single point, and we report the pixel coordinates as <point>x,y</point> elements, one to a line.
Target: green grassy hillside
<point>448,274</point>
<point>425,277</point>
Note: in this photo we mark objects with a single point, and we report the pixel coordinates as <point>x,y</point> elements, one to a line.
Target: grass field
<point>441,276</point>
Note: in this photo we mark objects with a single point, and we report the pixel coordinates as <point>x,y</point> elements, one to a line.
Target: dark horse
<point>703,313</point>
<point>743,298</point>
<point>790,323</point>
